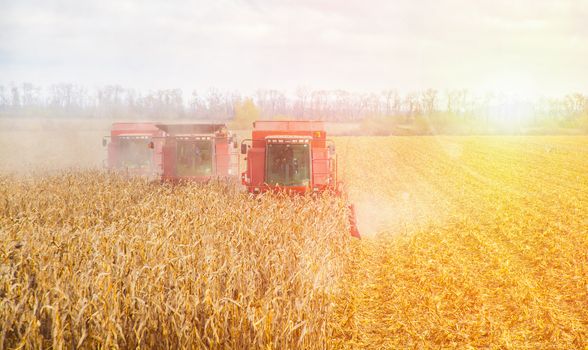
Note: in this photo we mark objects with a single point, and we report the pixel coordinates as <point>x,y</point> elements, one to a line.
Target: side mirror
<point>150,145</point>
<point>104,142</point>
<point>235,145</point>
<point>243,148</point>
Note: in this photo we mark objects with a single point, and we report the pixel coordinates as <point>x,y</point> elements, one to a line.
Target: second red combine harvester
<point>292,156</point>
<point>173,152</point>
<point>197,152</point>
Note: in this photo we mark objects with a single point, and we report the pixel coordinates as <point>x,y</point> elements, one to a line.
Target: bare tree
<point>318,102</point>
<point>15,97</point>
<point>428,101</point>
<point>3,97</point>
<point>300,105</point>
<point>392,102</point>
<point>412,108</point>
<point>343,101</point>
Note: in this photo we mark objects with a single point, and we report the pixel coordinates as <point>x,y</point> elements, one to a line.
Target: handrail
<point>331,173</point>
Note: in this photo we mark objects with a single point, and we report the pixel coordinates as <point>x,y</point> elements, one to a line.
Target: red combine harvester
<point>292,156</point>
<point>173,152</point>
<point>129,148</point>
<point>198,152</point>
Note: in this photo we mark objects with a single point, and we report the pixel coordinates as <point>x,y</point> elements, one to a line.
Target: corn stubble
<point>490,249</point>
<point>91,260</point>
<point>472,242</point>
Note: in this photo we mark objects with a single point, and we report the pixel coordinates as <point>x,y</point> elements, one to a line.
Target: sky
<point>526,47</point>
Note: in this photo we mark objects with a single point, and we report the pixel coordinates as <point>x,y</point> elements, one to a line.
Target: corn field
<point>90,260</point>
<point>468,242</point>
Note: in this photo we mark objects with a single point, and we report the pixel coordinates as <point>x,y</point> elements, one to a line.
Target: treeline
<point>113,102</point>
<point>419,110</point>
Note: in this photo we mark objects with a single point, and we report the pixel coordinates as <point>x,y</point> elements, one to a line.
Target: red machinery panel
<point>223,157</point>
<point>255,168</point>
<point>169,159</point>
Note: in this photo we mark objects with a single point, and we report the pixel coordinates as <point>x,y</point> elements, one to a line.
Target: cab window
<point>287,164</point>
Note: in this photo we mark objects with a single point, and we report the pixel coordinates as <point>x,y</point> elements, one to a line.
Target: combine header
<point>173,152</point>
<point>292,156</point>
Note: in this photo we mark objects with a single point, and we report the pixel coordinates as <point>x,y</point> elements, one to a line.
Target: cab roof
<point>289,125</point>
<point>191,128</point>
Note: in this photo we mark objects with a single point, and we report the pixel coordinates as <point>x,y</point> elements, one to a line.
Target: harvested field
<point>487,245</point>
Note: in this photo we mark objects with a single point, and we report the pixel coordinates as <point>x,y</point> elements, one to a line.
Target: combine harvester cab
<point>198,152</point>
<point>292,156</point>
<point>134,148</point>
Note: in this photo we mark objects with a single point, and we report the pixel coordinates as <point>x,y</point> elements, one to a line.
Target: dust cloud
<point>378,214</point>
<point>46,145</point>
<point>403,212</point>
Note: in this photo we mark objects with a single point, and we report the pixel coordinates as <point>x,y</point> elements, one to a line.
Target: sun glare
<point>512,83</point>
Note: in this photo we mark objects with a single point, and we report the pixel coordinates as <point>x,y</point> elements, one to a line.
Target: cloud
<point>357,45</point>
